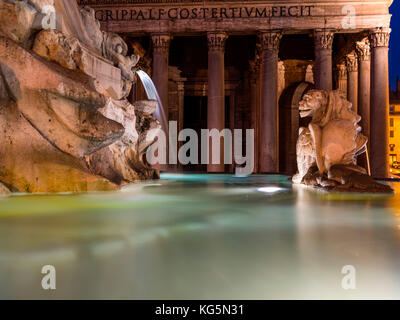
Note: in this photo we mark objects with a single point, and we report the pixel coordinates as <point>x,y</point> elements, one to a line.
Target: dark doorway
<point>289,123</point>
<point>195,117</point>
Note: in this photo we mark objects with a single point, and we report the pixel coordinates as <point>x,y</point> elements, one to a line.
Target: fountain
<point>152,94</point>
<point>68,125</point>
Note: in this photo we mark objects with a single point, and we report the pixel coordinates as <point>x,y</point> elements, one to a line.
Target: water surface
<point>201,237</point>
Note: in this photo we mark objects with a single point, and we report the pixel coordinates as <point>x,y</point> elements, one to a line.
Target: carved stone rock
<point>66,125</point>
<point>57,47</point>
<point>115,50</point>
<point>123,162</point>
<point>49,123</point>
<point>17,20</point>
<point>4,189</point>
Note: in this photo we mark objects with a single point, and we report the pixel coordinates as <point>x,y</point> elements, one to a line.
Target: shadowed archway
<point>289,122</point>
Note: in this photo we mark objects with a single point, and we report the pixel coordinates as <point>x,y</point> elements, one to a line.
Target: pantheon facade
<point>247,64</point>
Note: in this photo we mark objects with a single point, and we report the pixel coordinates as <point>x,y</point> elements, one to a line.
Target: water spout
<point>152,94</point>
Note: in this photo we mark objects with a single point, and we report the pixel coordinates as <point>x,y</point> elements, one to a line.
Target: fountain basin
<point>201,237</point>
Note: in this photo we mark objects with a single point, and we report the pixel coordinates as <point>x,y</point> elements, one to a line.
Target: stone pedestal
<point>379,40</point>
<point>161,44</point>
<point>352,80</point>
<point>216,93</point>
<point>323,59</point>
<point>269,154</point>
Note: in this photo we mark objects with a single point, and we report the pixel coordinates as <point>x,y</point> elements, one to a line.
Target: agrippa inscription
<point>202,12</point>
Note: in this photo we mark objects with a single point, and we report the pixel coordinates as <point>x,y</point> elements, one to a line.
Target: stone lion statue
<point>327,149</point>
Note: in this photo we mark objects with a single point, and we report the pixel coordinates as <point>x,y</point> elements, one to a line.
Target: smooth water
<point>201,237</point>
<point>152,94</point>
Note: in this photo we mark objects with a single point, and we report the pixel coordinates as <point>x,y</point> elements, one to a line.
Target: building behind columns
<point>237,65</point>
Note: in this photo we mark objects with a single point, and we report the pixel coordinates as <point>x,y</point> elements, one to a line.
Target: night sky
<point>394,47</point>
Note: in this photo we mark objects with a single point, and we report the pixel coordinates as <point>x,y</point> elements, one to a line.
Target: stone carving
<point>216,40</point>
<point>363,50</point>
<point>351,62</point>
<point>57,47</point>
<point>270,40</point>
<point>66,125</point>
<point>71,53</point>
<point>342,71</point>
<point>161,42</point>
<point>115,49</point>
<point>92,26</point>
<point>122,162</point>
<point>309,76</point>
<point>323,39</point>
<point>379,37</point>
<point>17,20</point>
<point>328,148</point>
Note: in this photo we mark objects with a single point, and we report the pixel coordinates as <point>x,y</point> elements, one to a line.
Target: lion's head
<point>313,102</point>
<point>326,105</point>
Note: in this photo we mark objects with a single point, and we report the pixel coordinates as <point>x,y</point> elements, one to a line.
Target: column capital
<point>363,50</point>
<point>216,40</point>
<point>379,37</point>
<point>351,62</point>
<point>323,38</point>
<point>342,70</point>
<point>161,42</point>
<point>270,40</point>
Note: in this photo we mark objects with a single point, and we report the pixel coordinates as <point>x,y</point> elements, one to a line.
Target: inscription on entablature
<point>186,13</point>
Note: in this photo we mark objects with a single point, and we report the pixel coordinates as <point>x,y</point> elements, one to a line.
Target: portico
<point>253,62</point>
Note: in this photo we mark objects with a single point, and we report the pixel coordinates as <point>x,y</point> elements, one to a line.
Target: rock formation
<point>65,120</point>
<point>327,149</point>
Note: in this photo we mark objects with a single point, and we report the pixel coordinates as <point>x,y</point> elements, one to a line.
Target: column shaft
<point>160,67</point>
<point>364,83</point>
<point>254,100</point>
<point>379,39</point>
<point>269,154</point>
<point>232,125</point>
<point>160,78</point>
<point>181,112</point>
<point>216,93</point>
<point>323,59</point>
<point>352,80</point>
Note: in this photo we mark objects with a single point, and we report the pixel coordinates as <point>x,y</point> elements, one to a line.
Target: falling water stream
<point>152,94</point>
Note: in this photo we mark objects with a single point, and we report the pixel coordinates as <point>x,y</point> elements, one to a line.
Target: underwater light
<point>270,189</point>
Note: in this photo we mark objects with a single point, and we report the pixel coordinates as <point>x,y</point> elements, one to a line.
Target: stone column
<point>181,112</point>
<point>216,92</point>
<point>352,79</point>
<point>379,40</point>
<point>232,125</point>
<point>254,100</point>
<point>342,77</point>
<point>323,59</point>
<point>181,99</point>
<point>269,153</point>
<point>160,78</point>
<point>364,83</point>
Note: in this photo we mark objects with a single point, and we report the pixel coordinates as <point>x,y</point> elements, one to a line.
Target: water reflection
<point>338,230</point>
<point>201,237</point>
